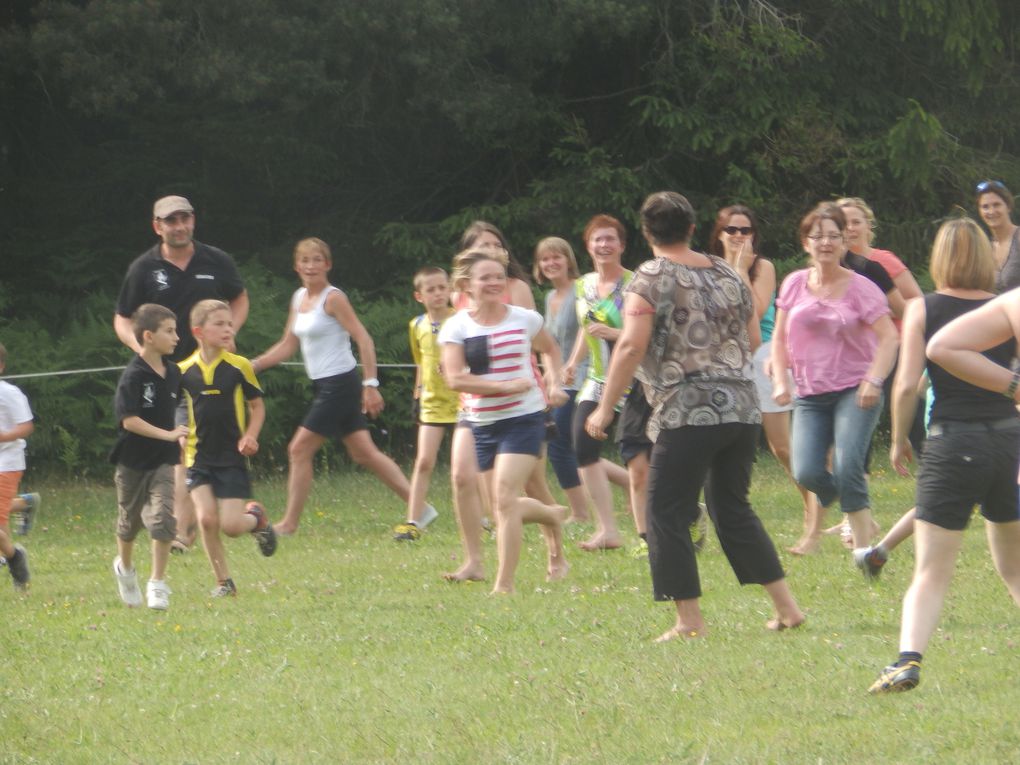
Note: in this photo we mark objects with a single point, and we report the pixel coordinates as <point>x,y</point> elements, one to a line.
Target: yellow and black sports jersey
<point>217,415</point>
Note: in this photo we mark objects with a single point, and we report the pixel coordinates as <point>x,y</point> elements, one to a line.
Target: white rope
<point>93,370</point>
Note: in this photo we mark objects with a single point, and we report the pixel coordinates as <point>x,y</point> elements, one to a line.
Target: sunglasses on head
<point>986,185</point>
<point>742,230</point>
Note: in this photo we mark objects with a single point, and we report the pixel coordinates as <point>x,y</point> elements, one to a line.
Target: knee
<point>364,456</point>
<point>424,465</point>
<point>209,522</point>
<point>299,451</point>
<point>781,452</point>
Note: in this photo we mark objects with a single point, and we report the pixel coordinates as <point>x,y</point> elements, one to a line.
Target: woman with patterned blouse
<point>688,333</point>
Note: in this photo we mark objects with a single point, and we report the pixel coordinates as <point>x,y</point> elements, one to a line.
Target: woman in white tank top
<point>322,323</point>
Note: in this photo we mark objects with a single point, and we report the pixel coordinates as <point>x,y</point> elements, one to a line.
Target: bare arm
<point>896,302</point>
<point>908,286</point>
<point>138,426</point>
<point>339,307</point>
<point>906,385</point>
<point>870,390</point>
<point>125,332</point>
<point>249,443</point>
<point>763,287</point>
<point>459,378</point>
<point>780,361</point>
<point>21,430</point>
<point>239,307</point>
<point>552,363</point>
<point>280,351</point>
<point>520,294</point>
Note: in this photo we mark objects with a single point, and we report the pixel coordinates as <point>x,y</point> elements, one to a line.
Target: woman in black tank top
<point>970,455</point>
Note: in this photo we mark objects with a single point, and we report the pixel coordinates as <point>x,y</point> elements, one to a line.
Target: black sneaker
<point>224,589</point>
<point>17,564</point>
<point>897,678</point>
<point>263,531</point>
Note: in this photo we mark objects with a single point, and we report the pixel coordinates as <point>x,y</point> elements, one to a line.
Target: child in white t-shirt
<point>15,426</point>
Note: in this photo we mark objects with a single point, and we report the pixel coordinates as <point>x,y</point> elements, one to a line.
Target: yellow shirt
<point>438,403</point>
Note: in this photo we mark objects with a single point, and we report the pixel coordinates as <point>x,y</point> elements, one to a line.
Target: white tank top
<point>325,344</point>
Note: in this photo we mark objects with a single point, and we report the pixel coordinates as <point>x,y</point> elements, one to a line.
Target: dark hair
<point>722,220</point>
<point>605,221</point>
<point>666,218</point>
<point>467,240</point>
<point>824,211</point>
<point>994,187</point>
<point>148,317</point>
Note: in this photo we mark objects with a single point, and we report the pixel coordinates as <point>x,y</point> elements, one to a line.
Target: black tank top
<point>954,398</point>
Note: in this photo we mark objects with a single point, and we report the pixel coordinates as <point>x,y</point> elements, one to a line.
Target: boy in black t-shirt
<point>225,414</point>
<point>145,452</point>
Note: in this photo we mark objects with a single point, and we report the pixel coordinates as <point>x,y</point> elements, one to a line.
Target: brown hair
<point>994,187</point>
<point>467,240</point>
<point>148,318</point>
<point>722,220</point>
<point>314,243</point>
<point>555,244</point>
<point>464,261</point>
<point>961,257</point>
<point>824,211</point>
<point>424,272</point>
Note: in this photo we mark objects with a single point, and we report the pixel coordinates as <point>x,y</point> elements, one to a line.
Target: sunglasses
<point>986,185</point>
<point>742,230</point>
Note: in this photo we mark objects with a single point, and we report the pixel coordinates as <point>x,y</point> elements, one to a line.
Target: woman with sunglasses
<point>833,331</point>
<point>995,205</point>
<point>735,239</point>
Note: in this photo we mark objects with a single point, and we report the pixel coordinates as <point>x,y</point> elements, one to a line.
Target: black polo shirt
<point>211,273</point>
<point>217,416</point>
<point>142,392</point>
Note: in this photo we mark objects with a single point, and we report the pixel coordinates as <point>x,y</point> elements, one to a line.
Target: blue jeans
<point>561,448</point>
<point>833,419</point>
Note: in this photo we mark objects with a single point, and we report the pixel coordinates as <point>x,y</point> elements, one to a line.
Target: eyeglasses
<point>742,230</point>
<point>825,237</point>
<point>986,185</point>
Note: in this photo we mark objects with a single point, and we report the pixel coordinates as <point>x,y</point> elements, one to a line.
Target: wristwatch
<point>371,382</point>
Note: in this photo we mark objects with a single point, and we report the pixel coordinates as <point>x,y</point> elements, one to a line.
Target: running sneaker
<point>17,564</point>
<point>224,589</point>
<point>428,515</point>
<point>157,594</point>
<point>25,518</point>
<point>406,532</point>
<point>127,584</point>
<point>895,678</point>
<point>699,529</point>
<point>870,560</point>
<point>263,531</point>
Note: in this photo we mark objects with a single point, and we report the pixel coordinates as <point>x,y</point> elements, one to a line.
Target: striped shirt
<point>498,352</point>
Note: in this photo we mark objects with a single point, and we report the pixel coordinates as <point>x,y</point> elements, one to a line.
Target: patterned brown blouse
<point>698,367</point>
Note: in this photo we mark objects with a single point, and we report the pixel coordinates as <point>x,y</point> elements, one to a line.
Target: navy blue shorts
<point>515,435</point>
<point>336,408</point>
<point>226,482</point>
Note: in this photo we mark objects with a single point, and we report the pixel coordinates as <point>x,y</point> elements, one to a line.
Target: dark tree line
<point>384,127</point>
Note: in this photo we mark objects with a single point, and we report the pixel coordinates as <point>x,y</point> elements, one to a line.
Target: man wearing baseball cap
<point>178,272</point>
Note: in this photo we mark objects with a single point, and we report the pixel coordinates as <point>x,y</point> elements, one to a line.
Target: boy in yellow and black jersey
<point>225,416</point>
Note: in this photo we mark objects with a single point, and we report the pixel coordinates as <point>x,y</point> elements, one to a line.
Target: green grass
<point>348,647</point>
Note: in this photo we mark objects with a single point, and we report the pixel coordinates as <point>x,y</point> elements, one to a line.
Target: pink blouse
<point>829,341</point>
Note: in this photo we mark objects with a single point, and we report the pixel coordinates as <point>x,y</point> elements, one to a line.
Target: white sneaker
<point>428,515</point>
<point>127,584</point>
<point>157,593</point>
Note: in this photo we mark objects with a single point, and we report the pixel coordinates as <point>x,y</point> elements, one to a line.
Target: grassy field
<point>348,647</point>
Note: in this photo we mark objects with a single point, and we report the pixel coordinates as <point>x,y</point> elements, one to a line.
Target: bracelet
<point>1010,392</point>
<point>876,381</point>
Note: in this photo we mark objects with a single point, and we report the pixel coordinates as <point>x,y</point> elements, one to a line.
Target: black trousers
<point>719,457</point>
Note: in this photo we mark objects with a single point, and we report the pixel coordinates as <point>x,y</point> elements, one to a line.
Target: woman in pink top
<point>833,332</point>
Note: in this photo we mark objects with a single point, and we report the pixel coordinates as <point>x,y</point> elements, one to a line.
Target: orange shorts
<point>9,482</point>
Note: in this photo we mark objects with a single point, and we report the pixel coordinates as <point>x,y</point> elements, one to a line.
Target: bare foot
<point>833,530</point>
<point>806,545</point>
<point>469,572</point>
<point>284,529</point>
<point>557,570</point>
<point>600,542</point>
<point>687,633</point>
<point>579,519</point>
<point>502,591</point>
<point>778,625</point>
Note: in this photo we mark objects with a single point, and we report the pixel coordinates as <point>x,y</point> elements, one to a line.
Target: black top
<point>211,273</point>
<point>954,398</point>
<point>871,269</point>
<point>142,392</point>
<point>217,415</point>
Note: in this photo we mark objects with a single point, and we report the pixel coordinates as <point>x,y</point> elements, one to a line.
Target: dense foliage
<point>384,127</point>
